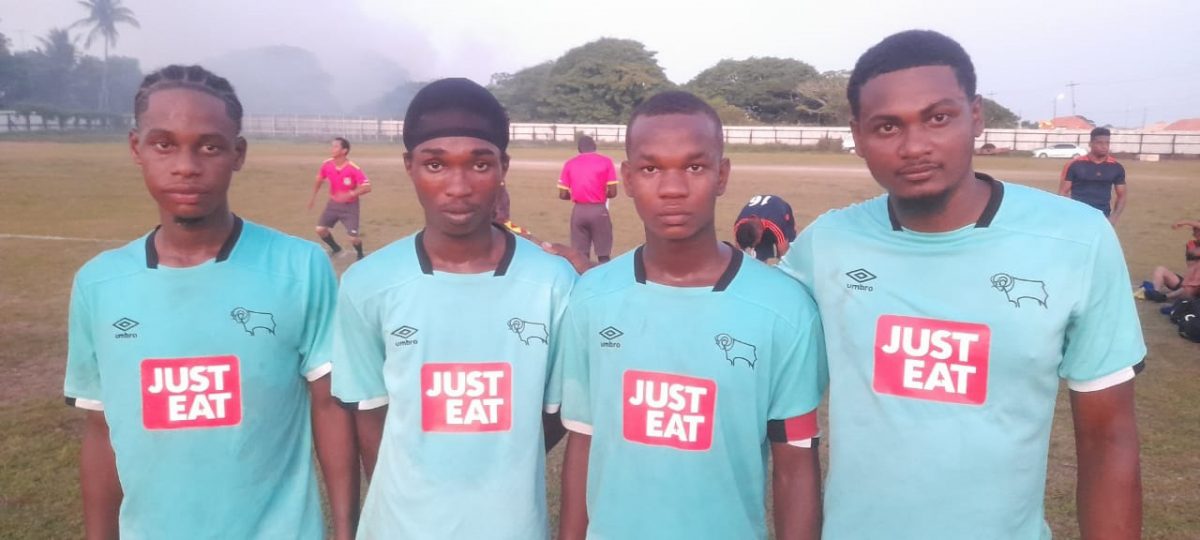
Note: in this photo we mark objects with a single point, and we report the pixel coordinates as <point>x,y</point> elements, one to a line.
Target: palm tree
<point>59,53</point>
<point>103,18</point>
<point>59,47</point>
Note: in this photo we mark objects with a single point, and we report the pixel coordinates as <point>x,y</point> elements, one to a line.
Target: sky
<point>1131,60</point>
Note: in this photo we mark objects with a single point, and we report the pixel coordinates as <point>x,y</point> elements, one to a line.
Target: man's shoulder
<point>278,242</point>
<point>612,276</point>
<point>114,263</point>
<point>770,287</point>
<point>532,258</point>
<point>869,213</point>
<point>385,267</point>
<point>1030,210</point>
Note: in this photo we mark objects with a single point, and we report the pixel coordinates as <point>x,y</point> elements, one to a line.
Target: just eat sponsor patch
<point>197,392</point>
<point>466,398</point>
<point>932,359</point>
<point>663,409</point>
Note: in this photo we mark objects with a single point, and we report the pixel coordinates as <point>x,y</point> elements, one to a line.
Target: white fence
<point>374,129</point>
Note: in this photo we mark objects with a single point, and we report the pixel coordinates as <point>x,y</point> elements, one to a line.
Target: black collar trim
<point>510,249</point>
<point>731,270</point>
<point>985,218</point>
<point>222,254</point>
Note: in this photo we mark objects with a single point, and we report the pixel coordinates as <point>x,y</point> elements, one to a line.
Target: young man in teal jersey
<point>954,304</point>
<point>442,342</point>
<point>684,362</point>
<point>201,351</point>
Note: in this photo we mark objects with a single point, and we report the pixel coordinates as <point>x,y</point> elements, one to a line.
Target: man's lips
<point>918,172</point>
<point>186,196</point>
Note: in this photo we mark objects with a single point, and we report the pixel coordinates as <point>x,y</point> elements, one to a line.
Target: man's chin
<point>921,203</point>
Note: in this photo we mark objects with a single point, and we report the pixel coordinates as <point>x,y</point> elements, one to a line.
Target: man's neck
<point>477,252</point>
<point>1098,159</point>
<point>189,243</point>
<point>695,262</point>
<point>962,207</point>
<point>340,161</point>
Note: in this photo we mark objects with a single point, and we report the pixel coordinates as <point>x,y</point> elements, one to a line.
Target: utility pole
<point>1072,86</point>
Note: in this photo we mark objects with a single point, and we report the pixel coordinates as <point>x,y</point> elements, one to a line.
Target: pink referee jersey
<point>587,176</point>
<point>345,179</point>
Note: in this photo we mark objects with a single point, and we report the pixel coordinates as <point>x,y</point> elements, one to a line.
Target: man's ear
<point>134,152</point>
<point>977,115</point>
<point>854,127</point>
<point>723,176</point>
<point>626,172</point>
<point>240,146</point>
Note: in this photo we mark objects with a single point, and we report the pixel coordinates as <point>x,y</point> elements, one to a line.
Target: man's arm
<point>369,426</point>
<point>1186,223</point>
<point>1064,183</point>
<point>337,450</point>
<point>98,477</point>
<point>796,487</point>
<point>564,193</point>
<point>611,190</point>
<point>573,518</point>
<point>316,189</point>
<point>552,429</point>
<point>1109,489</point>
<point>1119,206</point>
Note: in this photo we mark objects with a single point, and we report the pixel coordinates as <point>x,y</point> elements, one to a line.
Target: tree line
<point>57,79</point>
<point>602,81</point>
<point>598,82</point>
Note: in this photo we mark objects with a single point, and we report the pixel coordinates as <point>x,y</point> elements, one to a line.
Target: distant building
<point>1067,122</point>
<point>1187,124</point>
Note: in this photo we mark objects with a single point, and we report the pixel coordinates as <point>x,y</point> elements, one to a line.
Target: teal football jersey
<point>680,389</point>
<point>463,363</point>
<point>945,354</point>
<point>201,374</point>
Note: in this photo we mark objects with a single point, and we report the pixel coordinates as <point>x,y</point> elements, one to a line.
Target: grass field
<point>92,191</point>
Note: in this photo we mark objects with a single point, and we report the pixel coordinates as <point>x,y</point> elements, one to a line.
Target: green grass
<point>92,190</point>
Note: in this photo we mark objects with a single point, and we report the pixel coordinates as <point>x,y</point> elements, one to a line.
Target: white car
<point>1061,150</point>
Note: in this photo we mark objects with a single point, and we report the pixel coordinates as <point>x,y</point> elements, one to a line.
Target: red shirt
<point>587,176</point>
<point>345,179</point>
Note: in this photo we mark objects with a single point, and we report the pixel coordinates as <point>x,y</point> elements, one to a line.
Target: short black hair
<point>345,144</point>
<point>748,232</point>
<point>675,102</point>
<point>1100,132</point>
<point>193,78</point>
<point>910,49</point>
<point>480,114</point>
<point>586,143</point>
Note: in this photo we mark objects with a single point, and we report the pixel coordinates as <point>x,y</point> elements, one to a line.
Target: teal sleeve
<point>800,375</point>
<point>82,383</point>
<point>798,261</point>
<point>316,343</point>
<point>358,354</point>
<point>561,295</point>
<point>1103,334</point>
<point>572,358</point>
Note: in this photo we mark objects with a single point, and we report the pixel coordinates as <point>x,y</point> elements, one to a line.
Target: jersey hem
<point>319,371</point>
<point>577,427</point>
<point>1105,382</point>
<point>806,443</point>
<point>551,408</point>
<point>86,404</point>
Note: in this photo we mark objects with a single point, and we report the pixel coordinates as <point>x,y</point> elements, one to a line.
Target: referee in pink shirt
<point>589,180</point>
